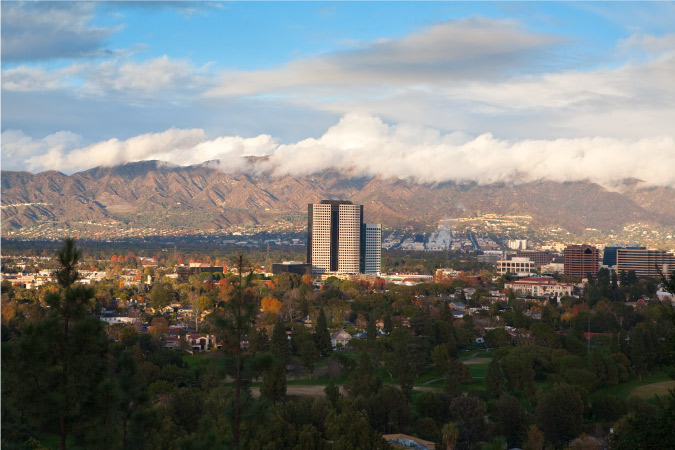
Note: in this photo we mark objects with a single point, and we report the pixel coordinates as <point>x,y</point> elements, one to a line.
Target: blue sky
<point>113,80</point>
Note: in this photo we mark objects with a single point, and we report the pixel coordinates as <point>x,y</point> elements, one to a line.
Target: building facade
<point>581,260</point>
<point>645,263</point>
<point>609,255</point>
<point>537,257</point>
<point>296,267</point>
<point>540,286</point>
<point>339,242</point>
<point>518,266</point>
<point>371,250</point>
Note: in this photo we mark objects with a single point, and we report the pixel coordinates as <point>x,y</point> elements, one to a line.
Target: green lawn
<point>624,390</point>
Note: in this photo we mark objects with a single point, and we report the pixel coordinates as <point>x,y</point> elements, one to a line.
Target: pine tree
<point>235,318</point>
<point>279,344</point>
<point>323,342</point>
<point>332,393</point>
<point>274,383</point>
<point>494,379</point>
<point>637,351</point>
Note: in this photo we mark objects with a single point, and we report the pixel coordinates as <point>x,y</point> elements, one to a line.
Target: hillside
<point>155,194</point>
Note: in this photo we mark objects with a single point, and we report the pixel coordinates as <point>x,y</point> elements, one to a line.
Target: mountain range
<point>160,195</point>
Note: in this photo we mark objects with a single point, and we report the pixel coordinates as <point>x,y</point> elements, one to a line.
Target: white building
<point>516,265</point>
<point>518,244</point>
<point>372,251</point>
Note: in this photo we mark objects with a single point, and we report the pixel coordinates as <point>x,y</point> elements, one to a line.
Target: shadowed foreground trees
<point>52,374</point>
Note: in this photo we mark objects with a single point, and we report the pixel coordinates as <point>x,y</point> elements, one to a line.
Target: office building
<point>537,257</point>
<point>609,255</point>
<point>517,266</point>
<point>296,267</point>
<point>339,242</point>
<point>581,260</point>
<point>371,250</point>
<point>645,263</point>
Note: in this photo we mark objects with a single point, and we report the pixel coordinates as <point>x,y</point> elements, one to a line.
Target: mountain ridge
<point>152,193</point>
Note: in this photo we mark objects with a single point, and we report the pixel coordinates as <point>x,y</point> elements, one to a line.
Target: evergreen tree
<point>52,374</point>
<point>494,380</point>
<point>274,382</point>
<point>560,413</point>
<point>362,380</point>
<point>323,341</point>
<point>279,344</point>
<point>637,351</point>
<point>234,318</point>
<point>333,393</point>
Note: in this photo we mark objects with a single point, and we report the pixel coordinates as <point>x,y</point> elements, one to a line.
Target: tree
<point>309,355</point>
<point>560,413</point>
<point>441,358</point>
<point>494,380</point>
<point>637,351</point>
<point>53,371</point>
<point>333,393</point>
<point>323,341</point>
<point>362,380</point>
<point>279,343</point>
<point>468,414</point>
<point>271,305</point>
<point>535,439</point>
<point>234,318</point>
<point>450,435</point>
<point>161,296</point>
<point>510,419</point>
<point>274,382</point>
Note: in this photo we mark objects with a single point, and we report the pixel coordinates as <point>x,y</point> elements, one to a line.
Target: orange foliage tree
<point>272,305</point>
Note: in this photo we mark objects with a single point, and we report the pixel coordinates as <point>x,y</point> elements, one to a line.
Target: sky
<point>485,92</point>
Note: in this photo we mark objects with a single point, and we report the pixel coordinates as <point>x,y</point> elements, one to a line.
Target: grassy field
<point>649,391</point>
<point>624,390</point>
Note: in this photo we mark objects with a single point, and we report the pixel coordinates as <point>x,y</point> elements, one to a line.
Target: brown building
<point>645,263</point>
<point>580,260</point>
<point>538,258</point>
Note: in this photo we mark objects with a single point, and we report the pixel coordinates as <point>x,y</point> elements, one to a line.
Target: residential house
<point>340,339</point>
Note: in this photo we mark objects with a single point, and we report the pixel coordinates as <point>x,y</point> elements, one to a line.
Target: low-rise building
<point>539,287</point>
<point>516,265</point>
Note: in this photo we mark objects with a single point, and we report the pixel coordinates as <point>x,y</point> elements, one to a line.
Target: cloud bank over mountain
<point>362,144</point>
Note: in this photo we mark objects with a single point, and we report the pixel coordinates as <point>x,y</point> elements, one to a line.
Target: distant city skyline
<point>432,92</point>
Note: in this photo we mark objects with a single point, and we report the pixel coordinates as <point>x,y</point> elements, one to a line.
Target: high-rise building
<point>371,250</point>
<point>339,241</point>
<point>645,263</point>
<point>609,255</point>
<point>581,260</point>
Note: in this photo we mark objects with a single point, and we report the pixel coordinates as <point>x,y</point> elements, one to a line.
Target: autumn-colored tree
<point>113,258</point>
<point>306,279</point>
<point>271,305</point>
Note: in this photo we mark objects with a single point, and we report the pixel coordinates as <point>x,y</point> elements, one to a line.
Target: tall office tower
<point>645,263</point>
<point>371,250</point>
<point>609,255</point>
<point>581,260</point>
<point>334,236</point>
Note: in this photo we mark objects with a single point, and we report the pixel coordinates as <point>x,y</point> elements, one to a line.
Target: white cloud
<point>364,145</point>
<point>50,30</point>
<point>450,51</point>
